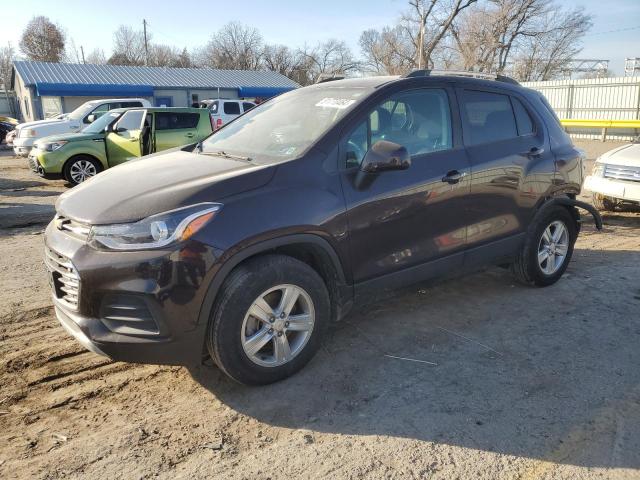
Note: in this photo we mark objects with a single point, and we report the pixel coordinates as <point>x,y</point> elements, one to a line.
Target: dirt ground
<point>523,383</point>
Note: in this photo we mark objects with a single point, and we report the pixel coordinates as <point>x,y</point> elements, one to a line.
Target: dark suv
<point>245,246</point>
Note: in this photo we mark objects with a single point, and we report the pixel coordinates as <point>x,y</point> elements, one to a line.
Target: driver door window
<point>131,120</point>
<point>419,120</point>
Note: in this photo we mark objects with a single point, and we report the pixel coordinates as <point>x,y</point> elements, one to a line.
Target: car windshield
<point>101,123</point>
<point>82,111</point>
<point>285,127</point>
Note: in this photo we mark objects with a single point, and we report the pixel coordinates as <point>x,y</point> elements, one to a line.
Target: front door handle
<point>134,139</point>
<point>189,135</point>
<point>454,176</point>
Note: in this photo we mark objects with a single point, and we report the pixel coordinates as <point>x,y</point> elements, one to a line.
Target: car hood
<point>157,183</point>
<point>38,123</point>
<point>70,137</point>
<point>627,155</point>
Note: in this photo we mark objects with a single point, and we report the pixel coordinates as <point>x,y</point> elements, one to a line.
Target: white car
<point>222,111</point>
<point>615,178</point>
<point>28,133</point>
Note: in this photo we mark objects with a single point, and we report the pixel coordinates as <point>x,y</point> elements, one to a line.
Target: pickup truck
<point>28,133</point>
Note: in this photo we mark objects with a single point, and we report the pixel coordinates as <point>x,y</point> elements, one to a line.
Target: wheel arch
<point>311,249</point>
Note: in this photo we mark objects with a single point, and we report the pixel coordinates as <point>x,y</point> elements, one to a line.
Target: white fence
<point>598,98</point>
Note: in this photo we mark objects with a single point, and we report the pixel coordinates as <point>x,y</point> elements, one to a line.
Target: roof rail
<point>461,73</point>
<point>329,77</point>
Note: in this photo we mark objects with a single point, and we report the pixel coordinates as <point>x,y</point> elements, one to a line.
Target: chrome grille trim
<point>66,281</point>
<point>621,172</point>
<point>73,228</point>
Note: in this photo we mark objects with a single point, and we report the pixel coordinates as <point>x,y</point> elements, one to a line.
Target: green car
<point>115,137</point>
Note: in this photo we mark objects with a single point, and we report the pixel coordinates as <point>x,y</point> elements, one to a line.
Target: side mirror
<point>383,156</point>
<point>91,118</point>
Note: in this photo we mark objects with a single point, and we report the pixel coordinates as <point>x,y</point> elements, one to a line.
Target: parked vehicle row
<point>28,133</point>
<point>116,137</point>
<point>244,247</point>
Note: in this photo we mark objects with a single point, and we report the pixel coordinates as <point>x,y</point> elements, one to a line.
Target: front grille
<point>33,164</point>
<point>71,227</point>
<point>621,172</point>
<point>65,281</point>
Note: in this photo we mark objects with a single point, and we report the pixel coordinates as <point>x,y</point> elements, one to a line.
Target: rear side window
<point>232,108</point>
<point>489,117</point>
<point>523,120</point>
<point>129,104</point>
<point>176,121</point>
<point>246,106</point>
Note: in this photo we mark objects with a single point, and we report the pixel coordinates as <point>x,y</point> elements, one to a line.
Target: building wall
<point>599,98</point>
<point>183,97</point>
<point>25,101</point>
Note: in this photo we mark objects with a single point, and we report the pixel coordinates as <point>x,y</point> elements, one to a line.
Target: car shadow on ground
<point>542,373</point>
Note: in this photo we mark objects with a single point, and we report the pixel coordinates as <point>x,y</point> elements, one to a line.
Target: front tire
<point>80,168</point>
<point>547,249</point>
<point>268,320</point>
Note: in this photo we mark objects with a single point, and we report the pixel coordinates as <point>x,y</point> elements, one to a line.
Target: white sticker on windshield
<point>339,103</point>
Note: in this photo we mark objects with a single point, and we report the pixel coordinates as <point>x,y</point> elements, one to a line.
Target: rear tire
<point>255,335</point>
<point>80,168</point>
<point>547,249</point>
<point>604,204</point>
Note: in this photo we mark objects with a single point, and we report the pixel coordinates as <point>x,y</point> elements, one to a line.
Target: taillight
<point>219,123</point>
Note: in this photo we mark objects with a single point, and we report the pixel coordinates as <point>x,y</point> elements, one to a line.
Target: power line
<point>614,31</point>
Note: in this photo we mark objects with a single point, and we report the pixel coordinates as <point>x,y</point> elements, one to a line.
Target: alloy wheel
<point>81,170</point>
<point>553,247</point>
<point>278,325</point>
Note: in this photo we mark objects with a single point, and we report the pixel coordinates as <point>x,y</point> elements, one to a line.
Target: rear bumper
<point>619,189</point>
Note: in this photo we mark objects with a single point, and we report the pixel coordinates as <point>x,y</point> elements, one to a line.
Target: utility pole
<point>146,46</point>
<point>82,52</point>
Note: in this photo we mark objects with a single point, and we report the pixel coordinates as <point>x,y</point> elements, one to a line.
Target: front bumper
<point>40,163</point>
<point>21,151</point>
<point>159,293</point>
<point>620,189</point>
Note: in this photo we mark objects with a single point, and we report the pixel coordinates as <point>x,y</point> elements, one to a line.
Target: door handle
<point>534,152</point>
<point>454,176</point>
<point>134,139</point>
<point>189,135</point>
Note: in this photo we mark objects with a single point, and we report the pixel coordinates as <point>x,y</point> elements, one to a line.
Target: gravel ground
<point>523,382</point>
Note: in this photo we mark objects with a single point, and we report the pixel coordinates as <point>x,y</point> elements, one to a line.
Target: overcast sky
<point>189,23</point>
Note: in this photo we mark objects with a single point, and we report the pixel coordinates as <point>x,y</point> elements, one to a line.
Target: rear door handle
<point>454,176</point>
<point>534,152</point>
<point>189,135</point>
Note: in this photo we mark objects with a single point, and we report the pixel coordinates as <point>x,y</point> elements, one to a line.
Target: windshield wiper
<point>222,153</point>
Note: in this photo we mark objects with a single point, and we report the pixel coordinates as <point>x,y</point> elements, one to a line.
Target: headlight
<point>29,132</point>
<point>52,146</point>
<point>598,169</point>
<point>156,231</point>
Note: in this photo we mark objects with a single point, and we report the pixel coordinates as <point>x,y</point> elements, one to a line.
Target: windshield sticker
<point>339,103</point>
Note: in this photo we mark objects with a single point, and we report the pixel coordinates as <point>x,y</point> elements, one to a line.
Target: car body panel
<point>399,227</point>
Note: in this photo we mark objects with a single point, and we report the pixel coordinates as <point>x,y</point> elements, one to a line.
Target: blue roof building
<point>45,89</point>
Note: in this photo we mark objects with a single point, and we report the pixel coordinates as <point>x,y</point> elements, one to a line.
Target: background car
<point>223,111</point>
<point>615,178</point>
<point>5,129</point>
<point>28,133</point>
<point>116,137</point>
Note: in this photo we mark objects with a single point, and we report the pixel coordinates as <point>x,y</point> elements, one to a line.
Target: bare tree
<point>128,47</point>
<point>42,40</point>
<point>235,46</point>
<point>331,57</point>
<point>414,40</point>
<point>6,65</point>
<point>526,38</point>
<point>96,57</point>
